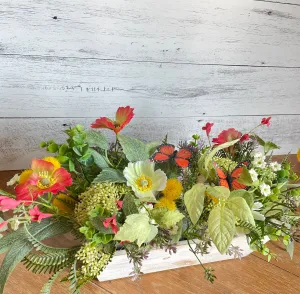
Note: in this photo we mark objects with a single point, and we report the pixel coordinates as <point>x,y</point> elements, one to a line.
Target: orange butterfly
<point>167,152</point>
<point>230,181</point>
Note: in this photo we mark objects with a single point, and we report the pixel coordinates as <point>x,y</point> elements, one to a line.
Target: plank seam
<point>147,61</point>
<point>98,286</point>
<point>275,265</point>
<point>278,2</point>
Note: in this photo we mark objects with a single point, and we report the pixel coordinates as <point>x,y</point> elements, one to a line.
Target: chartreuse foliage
<point>137,228</point>
<point>228,208</point>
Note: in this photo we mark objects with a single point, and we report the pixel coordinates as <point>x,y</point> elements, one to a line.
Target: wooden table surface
<point>253,274</point>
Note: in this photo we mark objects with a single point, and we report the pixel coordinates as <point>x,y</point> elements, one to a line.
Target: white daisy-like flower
<point>144,180</point>
<point>258,155</point>
<point>259,162</point>
<point>253,174</point>
<point>265,189</point>
<point>255,211</point>
<point>13,180</point>
<point>275,166</point>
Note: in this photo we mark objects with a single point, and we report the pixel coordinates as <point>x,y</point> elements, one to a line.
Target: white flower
<point>275,166</point>
<point>257,215</point>
<point>13,180</point>
<point>144,180</point>
<point>259,162</point>
<point>146,207</point>
<point>14,224</point>
<point>253,174</point>
<point>265,189</point>
<point>258,155</point>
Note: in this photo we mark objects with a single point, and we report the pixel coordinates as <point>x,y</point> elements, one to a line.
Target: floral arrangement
<point>136,196</point>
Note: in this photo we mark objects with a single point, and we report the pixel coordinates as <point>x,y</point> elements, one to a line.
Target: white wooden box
<point>159,260</point>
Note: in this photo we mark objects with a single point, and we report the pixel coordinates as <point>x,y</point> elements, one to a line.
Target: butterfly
<point>230,180</point>
<point>166,152</point>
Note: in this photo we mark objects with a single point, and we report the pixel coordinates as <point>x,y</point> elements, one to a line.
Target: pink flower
<point>123,117</point>
<point>43,179</point>
<point>266,121</point>
<point>227,136</point>
<point>207,128</point>
<point>119,204</point>
<point>7,203</point>
<point>3,224</point>
<point>111,222</point>
<point>245,137</point>
<point>37,215</point>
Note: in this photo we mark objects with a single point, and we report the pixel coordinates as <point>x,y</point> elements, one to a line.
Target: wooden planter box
<point>159,260</point>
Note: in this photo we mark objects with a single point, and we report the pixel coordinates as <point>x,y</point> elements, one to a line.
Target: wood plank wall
<point>178,63</point>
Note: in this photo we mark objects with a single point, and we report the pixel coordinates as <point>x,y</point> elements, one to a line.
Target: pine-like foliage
<point>250,227</point>
<point>47,287</point>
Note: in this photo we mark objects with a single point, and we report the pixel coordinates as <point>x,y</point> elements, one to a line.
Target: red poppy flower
<point>266,121</point>
<point>245,137</point>
<point>207,128</point>
<point>37,215</point>
<point>227,136</point>
<point>119,204</point>
<point>111,222</point>
<point>123,117</point>
<point>7,203</point>
<point>45,177</point>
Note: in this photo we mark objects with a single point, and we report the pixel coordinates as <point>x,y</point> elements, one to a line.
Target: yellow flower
<point>173,189</point>
<point>25,176</point>
<point>54,161</point>
<point>298,154</point>
<point>60,201</point>
<point>165,202</point>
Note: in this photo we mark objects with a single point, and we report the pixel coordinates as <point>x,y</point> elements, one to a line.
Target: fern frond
<point>47,287</point>
<point>48,263</point>
<point>73,279</point>
<point>250,227</point>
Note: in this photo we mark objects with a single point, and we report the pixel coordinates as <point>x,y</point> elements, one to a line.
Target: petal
<point>26,192</point>
<point>147,168</point>
<point>159,180</point>
<point>145,196</point>
<point>25,175</point>
<point>43,215</point>
<point>39,165</point>
<point>103,123</point>
<point>63,177</point>
<point>123,116</point>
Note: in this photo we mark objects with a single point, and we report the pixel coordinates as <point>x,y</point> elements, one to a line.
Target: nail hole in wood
<point>54,17</point>
<point>269,12</point>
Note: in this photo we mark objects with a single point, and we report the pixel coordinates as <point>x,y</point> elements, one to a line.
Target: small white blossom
<point>146,207</point>
<point>258,155</point>
<point>14,224</point>
<point>255,211</point>
<point>275,166</point>
<point>265,189</point>
<point>253,174</point>
<point>259,162</point>
<point>13,180</point>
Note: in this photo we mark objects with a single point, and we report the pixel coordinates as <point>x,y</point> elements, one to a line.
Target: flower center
<point>45,180</point>
<point>144,183</point>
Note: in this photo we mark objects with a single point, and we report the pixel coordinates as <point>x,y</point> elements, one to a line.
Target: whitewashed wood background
<point>178,63</point>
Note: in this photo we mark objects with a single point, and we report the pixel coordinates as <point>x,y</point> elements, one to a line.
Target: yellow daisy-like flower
<point>165,202</point>
<point>54,161</point>
<point>25,176</point>
<point>60,201</point>
<point>173,189</point>
<point>298,154</point>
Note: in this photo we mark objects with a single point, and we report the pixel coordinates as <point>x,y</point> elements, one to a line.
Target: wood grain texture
<point>209,31</point>
<point>59,87</point>
<point>18,147</point>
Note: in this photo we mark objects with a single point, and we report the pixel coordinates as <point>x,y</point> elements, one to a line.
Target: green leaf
<point>129,207</point>
<point>110,175</point>
<point>97,223</point>
<point>97,139</point>
<point>260,141</point>
<point>177,236</point>
<point>63,149</point>
<point>270,146</point>
<point>244,194</point>
<point>290,248</point>
<point>102,238</point>
<point>135,150</point>
<point>210,156</point>
<point>221,227</point>
<point>245,177</point>
<point>194,201</point>
<point>10,238</point>
<point>218,192</point>
<point>99,159</point>
<point>4,228</point>
<point>137,228</point>
<point>62,159</point>
<point>53,147</point>
<point>240,209</point>
<point>71,166</point>
<point>166,218</point>
<point>22,246</point>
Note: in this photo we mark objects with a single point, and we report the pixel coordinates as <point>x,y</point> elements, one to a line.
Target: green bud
<point>53,147</point>
<point>43,144</point>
